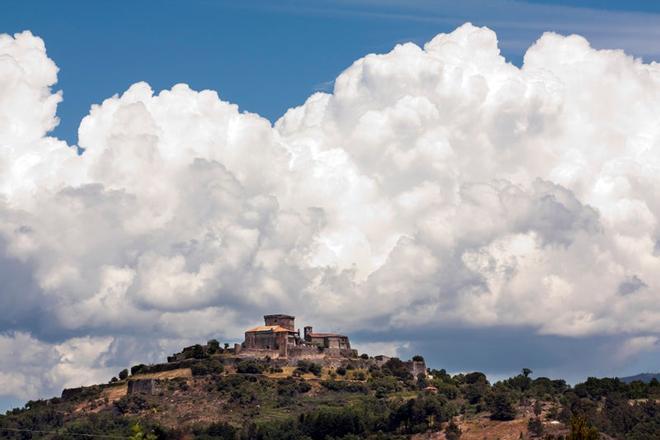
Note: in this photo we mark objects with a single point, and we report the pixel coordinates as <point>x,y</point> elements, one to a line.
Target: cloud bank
<point>436,187</point>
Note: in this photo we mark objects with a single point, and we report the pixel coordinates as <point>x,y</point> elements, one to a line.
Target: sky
<point>482,194</point>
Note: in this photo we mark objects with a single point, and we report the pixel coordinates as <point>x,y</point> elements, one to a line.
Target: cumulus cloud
<point>435,186</point>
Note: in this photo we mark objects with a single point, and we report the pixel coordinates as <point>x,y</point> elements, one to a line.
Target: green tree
<point>213,346</point>
<point>581,430</point>
<point>535,426</point>
<point>452,431</point>
<point>500,406</point>
<point>138,433</point>
<point>123,374</point>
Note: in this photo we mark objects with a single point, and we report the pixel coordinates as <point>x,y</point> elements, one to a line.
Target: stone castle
<point>279,339</point>
<point>281,344</point>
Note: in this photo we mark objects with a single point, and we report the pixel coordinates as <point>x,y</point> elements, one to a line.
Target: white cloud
<point>436,185</point>
<point>30,368</point>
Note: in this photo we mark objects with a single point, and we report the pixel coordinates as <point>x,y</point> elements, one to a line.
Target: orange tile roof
<point>268,328</point>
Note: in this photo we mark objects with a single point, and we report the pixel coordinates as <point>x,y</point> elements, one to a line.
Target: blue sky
<point>268,56</point>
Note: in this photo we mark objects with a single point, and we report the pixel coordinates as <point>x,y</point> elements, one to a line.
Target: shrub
<point>213,346</point>
<point>137,369</point>
<point>581,430</point>
<point>219,430</point>
<point>384,385</point>
<point>418,358</point>
<point>249,367</point>
<point>123,374</point>
<point>535,426</point>
<point>341,371</point>
<point>308,367</point>
<point>345,386</point>
<point>206,368</point>
<point>331,422</point>
<point>500,406</point>
<point>131,404</point>
<point>395,367</point>
<point>452,431</point>
<point>291,387</point>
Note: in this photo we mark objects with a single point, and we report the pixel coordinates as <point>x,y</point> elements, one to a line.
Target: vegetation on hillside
<point>259,400</point>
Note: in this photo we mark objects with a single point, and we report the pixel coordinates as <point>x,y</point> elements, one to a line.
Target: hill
<point>221,395</point>
<point>643,377</point>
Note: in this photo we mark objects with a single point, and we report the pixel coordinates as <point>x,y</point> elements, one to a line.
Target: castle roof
<point>268,328</point>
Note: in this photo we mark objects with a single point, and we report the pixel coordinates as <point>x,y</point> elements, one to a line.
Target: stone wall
<point>142,386</point>
<point>416,367</point>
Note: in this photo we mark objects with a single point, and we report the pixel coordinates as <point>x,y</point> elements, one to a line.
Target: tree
<point>421,381</point>
<point>138,434</point>
<point>123,374</point>
<point>538,408</point>
<point>535,426</point>
<point>137,369</point>
<point>213,346</point>
<point>452,431</point>
<point>500,406</point>
<point>581,430</point>
<point>526,372</point>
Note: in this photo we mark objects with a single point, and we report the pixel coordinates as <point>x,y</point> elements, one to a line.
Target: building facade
<point>279,336</point>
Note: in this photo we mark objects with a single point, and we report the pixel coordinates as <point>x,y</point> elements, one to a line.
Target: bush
<point>291,387</point>
<point>249,367</point>
<point>384,385</point>
<point>131,404</point>
<point>330,422</point>
<point>581,430</point>
<point>207,367</point>
<point>213,346</point>
<point>395,367</point>
<point>418,358</point>
<point>341,371</point>
<point>535,426</point>
<point>500,406</point>
<point>123,374</point>
<point>137,369</point>
<point>220,430</point>
<point>308,367</point>
<point>345,386</point>
<point>452,431</point>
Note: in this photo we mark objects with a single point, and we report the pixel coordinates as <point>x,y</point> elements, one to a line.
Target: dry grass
<point>171,374</point>
<point>115,393</point>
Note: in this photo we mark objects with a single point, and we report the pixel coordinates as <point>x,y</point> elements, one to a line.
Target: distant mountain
<point>644,377</point>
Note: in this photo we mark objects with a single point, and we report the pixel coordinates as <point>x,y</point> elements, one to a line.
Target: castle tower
<point>286,321</point>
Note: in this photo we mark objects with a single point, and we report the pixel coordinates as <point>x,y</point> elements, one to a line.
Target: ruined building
<point>278,338</point>
<point>327,340</point>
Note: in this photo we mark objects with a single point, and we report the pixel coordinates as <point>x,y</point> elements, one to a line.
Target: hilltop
<point>642,377</point>
<point>325,392</point>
